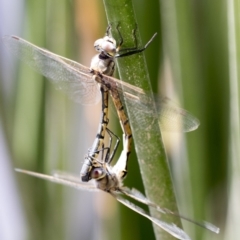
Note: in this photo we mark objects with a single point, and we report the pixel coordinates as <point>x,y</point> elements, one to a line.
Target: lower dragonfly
<point>109,179</point>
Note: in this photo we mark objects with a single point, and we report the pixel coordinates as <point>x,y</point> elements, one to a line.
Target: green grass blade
<point>149,147</point>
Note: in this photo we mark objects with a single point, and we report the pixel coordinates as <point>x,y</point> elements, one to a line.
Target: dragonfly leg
<point>135,47</point>
<point>121,40</point>
<point>120,37</point>
<point>119,45</point>
<point>108,159</point>
<point>108,29</point>
<point>134,50</point>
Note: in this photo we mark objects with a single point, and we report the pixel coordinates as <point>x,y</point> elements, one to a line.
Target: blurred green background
<point>193,60</point>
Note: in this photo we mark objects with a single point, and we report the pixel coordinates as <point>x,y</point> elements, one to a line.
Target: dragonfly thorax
<point>107,180</point>
<point>103,64</point>
<point>105,177</point>
<point>97,173</point>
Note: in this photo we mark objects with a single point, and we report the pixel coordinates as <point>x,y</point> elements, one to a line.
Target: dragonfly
<point>109,179</point>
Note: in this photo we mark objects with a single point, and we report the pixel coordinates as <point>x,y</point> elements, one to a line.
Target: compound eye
<point>97,173</point>
<point>108,47</point>
<point>97,44</point>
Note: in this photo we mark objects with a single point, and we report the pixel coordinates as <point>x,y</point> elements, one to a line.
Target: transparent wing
<point>73,181</point>
<point>76,80</point>
<point>69,76</point>
<point>173,118</point>
<point>169,115</point>
<point>170,228</point>
<point>65,179</point>
<point>138,196</point>
<point>69,177</point>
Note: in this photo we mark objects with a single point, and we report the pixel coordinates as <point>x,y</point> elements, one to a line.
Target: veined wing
<point>170,117</point>
<point>60,178</point>
<point>77,81</point>
<point>170,228</point>
<point>72,181</point>
<point>173,118</point>
<point>69,76</point>
<point>75,182</point>
<point>138,196</point>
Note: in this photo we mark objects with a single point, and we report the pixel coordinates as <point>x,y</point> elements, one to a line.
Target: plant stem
<point>149,146</point>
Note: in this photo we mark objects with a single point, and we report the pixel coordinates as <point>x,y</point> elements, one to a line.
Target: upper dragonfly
<point>78,83</point>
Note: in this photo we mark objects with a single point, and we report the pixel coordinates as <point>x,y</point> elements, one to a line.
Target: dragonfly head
<point>92,169</point>
<point>106,45</point>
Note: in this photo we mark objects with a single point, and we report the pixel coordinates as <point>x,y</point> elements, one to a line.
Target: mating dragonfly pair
<point>82,84</point>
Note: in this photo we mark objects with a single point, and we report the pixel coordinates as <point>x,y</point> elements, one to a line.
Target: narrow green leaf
<point>148,143</point>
